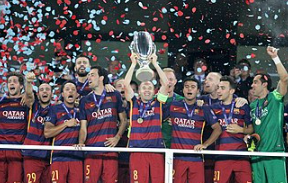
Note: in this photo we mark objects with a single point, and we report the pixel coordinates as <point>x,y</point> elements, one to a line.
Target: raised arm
<point>164,86</point>
<point>129,93</point>
<point>282,85</point>
<point>29,96</point>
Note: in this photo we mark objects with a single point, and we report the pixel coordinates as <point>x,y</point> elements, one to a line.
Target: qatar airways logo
<point>40,119</point>
<point>224,124</point>
<point>14,114</point>
<point>103,113</point>
<point>186,123</point>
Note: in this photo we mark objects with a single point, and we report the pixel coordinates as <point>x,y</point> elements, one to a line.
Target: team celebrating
<point>93,113</point>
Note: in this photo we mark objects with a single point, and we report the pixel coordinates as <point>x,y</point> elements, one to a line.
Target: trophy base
<point>144,74</point>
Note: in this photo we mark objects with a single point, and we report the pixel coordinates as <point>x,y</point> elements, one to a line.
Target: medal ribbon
<point>143,111</point>
<point>84,85</point>
<point>98,104</point>
<point>69,114</point>
<point>258,111</point>
<point>190,114</point>
<point>228,120</point>
<point>39,111</point>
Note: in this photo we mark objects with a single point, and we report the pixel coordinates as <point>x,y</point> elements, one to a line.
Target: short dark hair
<point>265,78</point>
<point>102,72</point>
<point>192,78</point>
<point>17,74</point>
<point>134,83</point>
<point>245,61</point>
<point>66,82</point>
<point>230,80</point>
<point>82,55</point>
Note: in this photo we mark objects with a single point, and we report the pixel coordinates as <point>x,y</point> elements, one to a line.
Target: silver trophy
<point>143,45</point>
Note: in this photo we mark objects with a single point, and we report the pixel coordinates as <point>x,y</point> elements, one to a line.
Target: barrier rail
<point>168,153</point>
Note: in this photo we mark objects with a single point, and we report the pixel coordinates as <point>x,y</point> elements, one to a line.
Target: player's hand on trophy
<point>273,52</point>
<point>30,77</point>
<point>153,58</point>
<point>134,57</point>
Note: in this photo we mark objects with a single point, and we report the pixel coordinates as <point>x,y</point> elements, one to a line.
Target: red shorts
<point>209,170</point>
<point>123,172</point>
<point>145,166</point>
<point>67,171</point>
<point>104,165</point>
<point>240,168</point>
<point>188,170</point>
<point>11,166</point>
<point>36,170</point>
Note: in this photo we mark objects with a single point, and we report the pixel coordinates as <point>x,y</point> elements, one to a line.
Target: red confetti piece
<point>155,19</point>
<point>204,67</point>
<point>75,32</point>
<point>68,2</point>
<point>59,2</point>
<point>73,17</point>
<point>164,37</point>
<point>105,18</point>
<point>161,51</point>
<point>154,29</point>
<point>77,46</point>
<point>227,36</point>
<point>36,60</point>
<point>253,55</point>
<point>242,35</point>
<point>207,41</point>
<point>180,13</point>
<point>89,36</point>
<point>200,38</point>
<point>14,57</point>
<point>233,41</point>
<point>94,58</point>
<point>111,33</point>
<point>98,40</point>
<point>165,45</point>
<point>58,22</point>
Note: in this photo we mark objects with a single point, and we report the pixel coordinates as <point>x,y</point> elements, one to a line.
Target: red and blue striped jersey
<point>35,131</point>
<point>230,141</point>
<point>187,131</point>
<point>147,134</point>
<point>13,121</point>
<point>102,123</point>
<point>57,115</point>
<point>82,88</point>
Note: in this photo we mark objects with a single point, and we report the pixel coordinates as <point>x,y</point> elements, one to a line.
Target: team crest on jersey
<point>109,99</point>
<point>196,111</point>
<point>236,111</point>
<point>14,114</point>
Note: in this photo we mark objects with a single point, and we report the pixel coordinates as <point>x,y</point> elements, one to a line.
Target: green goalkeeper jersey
<point>267,115</point>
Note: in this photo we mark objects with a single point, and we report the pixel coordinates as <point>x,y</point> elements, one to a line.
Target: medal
<point>140,120</point>
<point>258,121</point>
<point>143,110</point>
